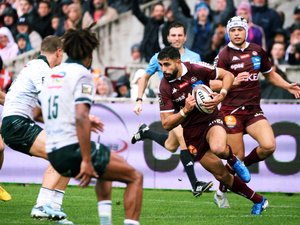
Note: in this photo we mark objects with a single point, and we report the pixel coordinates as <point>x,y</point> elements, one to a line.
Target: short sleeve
<point>84,90</point>
<point>153,65</point>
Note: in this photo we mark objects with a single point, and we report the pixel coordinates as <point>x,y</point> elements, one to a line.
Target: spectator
<point>74,17</point>
<point>267,18</point>
<point>135,54</point>
<point>28,11</point>
<point>224,10</point>
<point>164,29</point>
<point>98,12</point>
<point>280,36</point>
<point>203,31</point>
<point>255,33</point>
<point>293,50</point>
<point>121,6</point>
<point>104,87</point>
<point>278,54</point>
<point>150,41</point>
<point>34,37</point>
<point>23,43</point>
<point>9,48</point>
<point>42,23</point>
<point>55,24</point>
<point>217,42</point>
<point>296,18</point>
<point>5,78</point>
<point>62,13</point>
<point>148,93</point>
<point>10,18</point>
<point>123,87</point>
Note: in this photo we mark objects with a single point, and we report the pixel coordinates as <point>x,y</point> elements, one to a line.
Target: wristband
<point>182,113</point>
<point>223,92</point>
<point>139,99</point>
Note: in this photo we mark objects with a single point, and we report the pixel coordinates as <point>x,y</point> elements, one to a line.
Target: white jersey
<point>21,98</point>
<point>67,85</point>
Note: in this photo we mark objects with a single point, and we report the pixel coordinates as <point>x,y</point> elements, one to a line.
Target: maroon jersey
<point>173,93</point>
<point>252,59</point>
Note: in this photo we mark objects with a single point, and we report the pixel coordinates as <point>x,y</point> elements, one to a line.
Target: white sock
<point>220,193</point>
<point>44,197</point>
<point>104,212</point>
<point>131,222</point>
<point>57,199</point>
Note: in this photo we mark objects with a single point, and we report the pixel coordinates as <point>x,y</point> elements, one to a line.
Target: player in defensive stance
<point>66,101</point>
<point>171,141</point>
<point>241,107</point>
<point>205,133</point>
<point>21,133</point>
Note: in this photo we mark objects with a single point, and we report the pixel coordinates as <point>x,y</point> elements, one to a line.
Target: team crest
<point>193,79</point>
<point>86,89</point>
<point>230,121</point>
<point>254,53</point>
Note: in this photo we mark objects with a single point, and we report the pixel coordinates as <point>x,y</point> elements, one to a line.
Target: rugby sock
<point>131,222</point>
<point>231,159</point>
<point>44,197</point>
<point>241,188</point>
<point>252,158</point>
<point>159,138</point>
<point>57,199</point>
<point>104,212</point>
<point>222,187</point>
<point>188,164</point>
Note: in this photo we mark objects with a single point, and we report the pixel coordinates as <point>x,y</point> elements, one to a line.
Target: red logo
<point>245,56</point>
<point>183,85</point>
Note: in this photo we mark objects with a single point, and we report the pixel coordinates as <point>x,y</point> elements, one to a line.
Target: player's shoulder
<point>255,48</point>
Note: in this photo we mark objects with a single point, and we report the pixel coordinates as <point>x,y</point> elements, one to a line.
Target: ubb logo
<point>230,121</point>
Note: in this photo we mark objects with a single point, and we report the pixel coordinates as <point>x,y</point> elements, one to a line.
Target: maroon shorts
<point>237,119</point>
<point>195,137</point>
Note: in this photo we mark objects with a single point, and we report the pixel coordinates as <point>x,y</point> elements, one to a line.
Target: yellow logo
<point>230,121</point>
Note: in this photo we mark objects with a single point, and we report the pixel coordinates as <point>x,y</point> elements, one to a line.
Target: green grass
<point>160,207</point>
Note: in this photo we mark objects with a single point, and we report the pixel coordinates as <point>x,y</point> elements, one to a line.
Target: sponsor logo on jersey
<point>245,56</point>
<point>56,80</point>
<point>256,60</point>
<point>230,121</point>
<point>87,89</point>
<point>180,98</point>
<point>174,90</point>
<point>258,114</point>
<point>216,121</point>
<point>235,58</point>
<point>184,84</point>
<point>237,66</point>
<point>197,83</point>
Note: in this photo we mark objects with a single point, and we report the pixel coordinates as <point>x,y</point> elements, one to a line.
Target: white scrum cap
<point>237,21</point>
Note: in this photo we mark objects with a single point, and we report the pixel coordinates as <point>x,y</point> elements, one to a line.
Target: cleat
<point>138,136</point>
<point>242,171</point>
<point>221,200</point>
<point>65,221</point>
<point>4,195</point>
<point>38,212</point>
<point>201,187</point>
<point>259,207</point>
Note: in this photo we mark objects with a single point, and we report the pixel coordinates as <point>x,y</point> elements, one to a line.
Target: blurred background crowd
<point>24,23</point>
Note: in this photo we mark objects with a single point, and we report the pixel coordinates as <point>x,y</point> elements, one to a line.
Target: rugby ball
<point>201,93</point>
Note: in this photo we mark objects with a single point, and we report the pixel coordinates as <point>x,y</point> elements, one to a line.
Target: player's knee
<point>269,148</point>
<point>218,149</point>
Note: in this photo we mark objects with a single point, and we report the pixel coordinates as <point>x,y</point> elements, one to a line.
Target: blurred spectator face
<point>259,2</point>
<point>295,37</point>
<point>221,5</point>
<point>243,13</point>
<point>102,88</point>
<point>136,55</point>
<point>279,38</point>
<point>122,90</point>
<point>21,43</point>
<point>297,14</point>
<point>169,15</point>
<point>44,9</point>
<point>25,6</point>
<point>99,4</point>
<point>278,51</point>
<point>55,22</point>
<point>8,20</point>
<point>158,12</point>
<point>220,31</point>
<point>22,28</point>
<point>74,13</point>
<point>3,40</point>
<point>176,37</point>
<point>202,12</point>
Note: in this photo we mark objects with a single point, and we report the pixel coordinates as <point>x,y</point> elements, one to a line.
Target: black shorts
<point>19,133</point>
<point>67,160</point>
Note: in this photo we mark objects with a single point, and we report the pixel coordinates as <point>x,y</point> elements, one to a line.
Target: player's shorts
<point>67,160</point>
<point>19,133</point>
<point>195,137</point>
<point>237,119</point>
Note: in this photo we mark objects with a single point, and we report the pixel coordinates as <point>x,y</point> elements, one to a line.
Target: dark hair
<point>79,44</point>
<point>169,52</point>
<point>176,25</point>
<point>157,4</point>
<point>51,43</point>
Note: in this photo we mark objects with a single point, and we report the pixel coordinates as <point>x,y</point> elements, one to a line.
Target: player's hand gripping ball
<point>202,93</point>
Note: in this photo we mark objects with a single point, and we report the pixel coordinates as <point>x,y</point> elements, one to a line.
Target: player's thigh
<point>216,137</point>
<point>236,142</point>
<point>38,147</point>
<point>176,139</point>
<point>2,146</point>
<point>119,170</point>
<point>263,133</point>
<point>214,165</point>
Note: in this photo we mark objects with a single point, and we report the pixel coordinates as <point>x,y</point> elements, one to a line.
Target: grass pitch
<point>160,207</point>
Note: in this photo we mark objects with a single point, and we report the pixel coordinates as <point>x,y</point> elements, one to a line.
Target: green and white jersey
<point>22,96</point>
<point>67,85</point>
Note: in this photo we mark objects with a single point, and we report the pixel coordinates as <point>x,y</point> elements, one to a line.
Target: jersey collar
<point>69,60</point>
<point>184,71</point>
<point>44,58</point>
<point>230,45</point>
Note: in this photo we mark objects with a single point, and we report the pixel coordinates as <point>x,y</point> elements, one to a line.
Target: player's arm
<point>278,81</point>
<point>83,130</point>
<point>142,85</point>
<point>2,97</point>
<point>37,114</point>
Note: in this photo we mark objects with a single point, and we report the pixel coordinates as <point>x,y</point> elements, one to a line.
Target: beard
<point>171,76</point>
